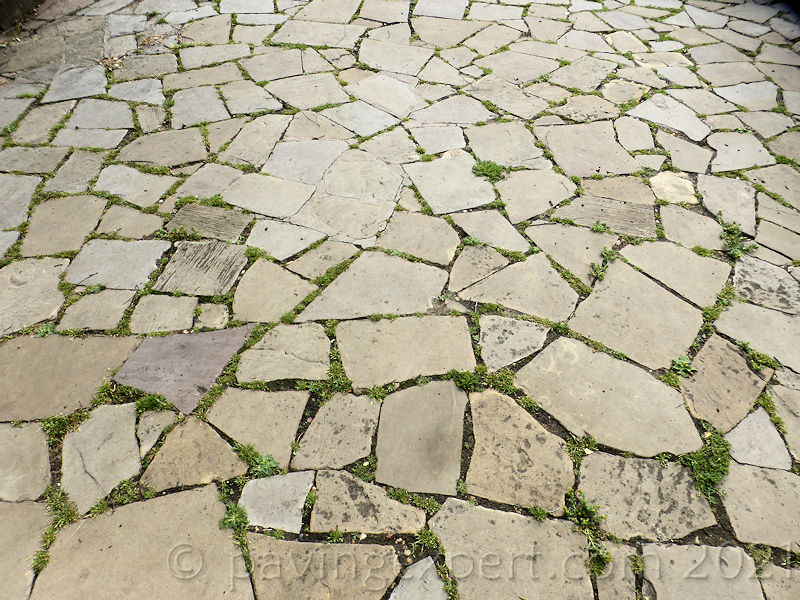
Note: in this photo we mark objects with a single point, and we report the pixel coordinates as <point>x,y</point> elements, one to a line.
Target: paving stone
<point>194,105</point>
<point>116,264</point>
<point>39,159</point>
<point>168,148</point>
<point>564,378</point>
<point>308,91</point>
<point>128,222</point>
<point>129,544</point>
<point>779,239</point>
<point>492,228</point>
<point>220,74</point>
<point>181,367</point>
<point>666,111</point>
<point>346,219</point>
<point>89,138</point>
<point>203,268</point>
<point>673,187</point>
<point>767,124</point>
<point>156,313</point>
<point>35,127</point>
<point>448,184</point>
<point>141,189</point>
<point>12,109</point>
<point>737,151</point>
<point>508,537</point>
<point>420,582</point>
<point>684,155</point>
<point>247,97</point>
<point>641,498</point>
<point>268,420</point>
<point>530,193</point>
<point>99,311</point>
<point>506,96</point>
<point>277,502</point>
<point>212,316</point>
<point>209,180</point>
<point>7,239</point>
<point>78,82</point>
<point>357,174</point>
<point>287,352</point>
<point>719,572</point>
<point>318,260</point>
<point>787,407</point>
<point>397,58</point>
<point>24,454</point>
<point>213,30</point>
<point>75,174</point>
<point>429,238</point>
<point>29,292</point>
<point>360,118</point>
<point>626,189</point>
<point>509,144</point>
<point>61,224</point>
<point>419,438</point>
<point>575,248</point>
<point>150,427</point>
<point>319,34</point>
<point>755,442</point>
<point>23,523</point>
<point>618,581</point>
<point>140,90</point>
<point>274,64</point>
<point>202,56</point>
<point>691,229</point>
<point>473,264</point>
<point>786,145</point>
<point>461,110</point>
<point>779,583</point>
<point>504,341</point>
<point>771,210</point>
<point>266,195</point>
<point>588,149</point>
<point>282,240</point>
<point>767,285</point>
<point>340,434</point>
<point>620,217</point>
<point>266,292</point>
<point>438,138</point>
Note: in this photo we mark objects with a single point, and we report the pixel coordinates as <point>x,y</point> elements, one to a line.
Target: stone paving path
<point>390,300</point>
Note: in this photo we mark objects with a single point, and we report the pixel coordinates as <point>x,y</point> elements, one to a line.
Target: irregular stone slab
<point>210,222</point>
<point>419,438</point>
<point>378,284</point>
<point>618,581</point>
<point>75,174</point>
<point>515,460</point>
<point>287,352</point>
<point>666,111</point>
<point>506,96</point>
<point>115,263</point>
<point>346,503</point>
<point>530,193</point>
<point>38,159</point>
<point>99,311</point>
<point>268,420</point>
<point>141,90</point>
<point>779,239</point>
<point>155,313</point>
<point>35,127</point>
<point>460,110</point>
<point>78,82</point>
<point>351,220</point>
<point>223,73</point>
<point>29,292</point>
<point>244,97</point>
<point>698,279</point>
<point>397,58</point>
<point>429,238</point>
<point>585,74</point>
<point>318,260</point>
<point>194,105</point>
<point>168,148</point>
<point>640,498</point>
<point>129,222</point>
<point>684,155</point>
<point>767,285</point>
<point>738,151</point>
<point>90,138</point>
<point>181,367</point>
<point>787,407</point>
<point>207,181</point>
<point>763,505</point>
<point>358,175</point>
<point>360,118</point>
<point>691,229</point>
<point>448,184</point>
<point>150,426</point>
<point>267,291</point>
<point>619,314</point>
<point>575,248</point>
<point>365,580</point>
<point>719,572</point>
<point>447,347</point>
<point>304,160</point>
<point>308,91</point>
<point>17,193</point>
<point>768,331</point>
<point>62,224</point>
<point>626,189</point>
<point>506,144</point>
<point>755,442</point>
<point>340,433</point>
<point>491,227</point>
<point>269,196</point>
<point>26,470</point>
<point>319,34</point>
<point>781,180</point>
<point>99,454</point>
<point>7,239</point>
<point>277,502</point>
<point>202,268</point>
<point>551,297</point>
<point>504,341</point>
<point>509,537</point>
<point>76,367</point>
<point>11,109</point>
<point>192,454</point>
<point>23,523</point>
<point>473,264</point>
<point>588,149</point>
<point>255,141</point>
<point>420,582</point>
<point>141,189</point>
<point>778,583</point>
<point>591,393</point>
<point>130,544</point>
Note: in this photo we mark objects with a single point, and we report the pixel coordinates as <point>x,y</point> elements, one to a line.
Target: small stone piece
<point>778,583</point>
<point>17,194</point>
<point>25,460</point>
<point>287,352</point>
<point>141,189</point>
<point>491,227</point>
<point>267,291</point>
<point>473,264</point>
<point>155,313</point>
<point>202,268</point>
<point>129,223</point>
<point>23,524</point>
<point>150,427</point>
<point>168,148</point>
<point>429,238</point>
<point>767,285</point>
<point>421,581</point>
<point>755,442</point>
<point>318,260</point>
<point>504,341</point>
<point>99,311</point>
<point>527,194</point>
<point>282,240</point>
<point>277,502</point>
<point>575,248</point>
<point>29,292</point>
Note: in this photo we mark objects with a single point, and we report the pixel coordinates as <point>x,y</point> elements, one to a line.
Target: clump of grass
<point>733,241</point>
<point>578,447</point>
<point>587,519</point>
<point>481,378</point>
<point>710,464</point>
<point>63,512</point>
<point>683,366</point>
<point>429,505</point>
<point>538,513</point>
<point>365,469</point>
<point>261,465</point>
<point>424,540</point>
<point>488,170</point>
<point>600,227</point>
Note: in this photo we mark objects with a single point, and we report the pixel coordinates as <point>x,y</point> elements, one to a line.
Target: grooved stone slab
<point>277,501</point>
<point>267,291</point>
<point>376,352</point>
<point>346,503</point>
<point>340,433</point>
<point>627,312</point>
<point>505,341</point>
<point>23,524</point>
<point>29,292</point>
<point>287,352</point>
<point>210,222</point>
<point>641,498</point>
<point>515,460</point>
<point>116,264</point>
<point>182,367</point>
<point>25,460</point>
<point>419,438</point>
<point>538,552</point>
<point>131,551</point>
<point>617,403</point>
<point>621,217</point>
<point>202,268</point>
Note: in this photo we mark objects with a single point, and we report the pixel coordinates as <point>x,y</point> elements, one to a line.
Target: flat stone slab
<point>420,582</point>
<point>319,34</point>
<point>624,218</point>
<point>203,268</point>
<point>515,460</point>
<point>196,105</point>
<point>738,151</point>
<point>767,285</point>
<point>282,240</point>
<point>26,471</point>
<point>756,442</point>
<point>75,174</point>
<point>157,313</point>
<point>491,227</point>
<point>373,567</point>
<point>277,502</point>
<point>666,111</point>
<point>691,229</point>
<point>61,224</point>
<point>99,311</point>
<point>429,238</point>
<point>76,368</point>
<point>37,159</point>
<point>619,314</point>
<point>17,194</point>
<point>268,420</point>
<point>787,407</point>
<point>208,181</point>
<point>530,193</point>
<point>308,91</point>
<point>99,454</point>
<point>267,291</point>
<point>473,264</point>
<point>126,551</point>
<point>29,292</point>
<point>574,248</point>
<point>373,351</point>
<point>210,222</point>
<point>268,196</point>
<point>419,438</point>
<point>23,523</point>
<point>287,352</point>
<point>116,264</point>
<point>588,149</point>
<point>504,341</point>
<point>448,184</point>
<point>346,503</point>
<point>150,427</point>
<point>641,498</point>
<point>509,538</point>
<point>78,82</point>
<point>141,189</point>
<point>340,434</point>
<point>129,223</point>
<point>378,284</point>
<point>181,367</point>
<point>617,403</point>
<point>551,297</point>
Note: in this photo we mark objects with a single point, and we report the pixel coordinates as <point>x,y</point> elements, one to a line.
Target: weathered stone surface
<point>491,227</point>
<point>787,407</point>
<point>620,314</point>
<point>150,427</point>
<point>738,151</point>
<point>419,438</point>
<point>668,112</point>
<point>210,222</point>
<point>530,193</point>
<point>504,341</point>
<point>287,352</point>
<point>473,264</point>
<point>181,367</point>
<point>267,291</point>
<point>277,501</point>
<point>509,538</point>
<point>115,263</point>
<point>166,148</point>
<point>141,189</point>
<point>420,582</point>
<point>378,284</point>
<point>62,224</point>
<point>26,463</point>
<point>268,420</point>
<point>29,292</point>
<point>269,196</point>
<point>373,351</point>
<point>346,503</point>
<point>588,149</point>
<point>550,297</point>
<point>99,311</point>
<point>319,34</point>
<point>756,442</point>
<point>157,313</point>
<point>141,90</point>
<point>129,223</point>
<point>691,229</point>
<point>318,260</point>
<point>37,159</point>
<point>425,237</point>
<point>308,91</point>
<point>591,393</point>
<point>75,368</point>
<point>78,82</point>
<point>640,498</point>
<point>779,583</point>
<point>515,460</point>
<point>448,184</point>
<point>195,105</point>
<point>17,193</point>
<point>767,285</point>
<point>202,268</point>
<point>255,141</point>
<point>127,552</point>
<point>575,248</point>
<point>23,524</point>
<point>461,110</point>
<point>99,454</point>
<point>304,160</point>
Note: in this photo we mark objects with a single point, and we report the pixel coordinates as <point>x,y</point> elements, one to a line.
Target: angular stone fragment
<point>684,155</point>
<point>141,90</point>
<point>473,264</point>
<point>282,240</point>
<point>29,292</point>
<point>168,148</point>
<point>277,502</point>
<point>530,193</point>
<point>181,367</point>
<point>691,229</point>
<point>78,82</point>
<point>195,105</point>
<point>491,227</point>
<point>755,441</point>
<point>61,224</point>
<point>575,248</point>
<point>640,498</point>
<point>99,311</point>
<point>779,583</point>
<point>255,141</point>
<point>591,393</point>
<point>26,462</point>
<point>461,110</point>
<point>128,222</point>
<point>303,160</point>
<point>150,426</point>
<point>588,149</point>
<point>585,74</point>
<point>448,184</point>
<point>738,151</point>
<point>421,581</point>
<point>35,159</point>
<point>429,238</point>
<point>141,189</point>
<point>308,91</point>
<point>538,551</point>
<point>269,196</point>
<point>17,193</point>
<point>267,291</point>
<point>202,268</point>
<point>767,285</point>
<point>668,112</point>
<point>319,34</point>
<point>504,341</point>
<point>419,438</point>
<point>287,352</point>
<point>157,313</point>
<point>318,260</point>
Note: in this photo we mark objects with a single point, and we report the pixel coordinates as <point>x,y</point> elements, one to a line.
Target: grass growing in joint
<point>587,519</point>
<point>488,170</point>
<point>709,465</point>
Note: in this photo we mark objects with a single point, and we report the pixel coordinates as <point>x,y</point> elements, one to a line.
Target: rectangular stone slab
<point>202,268</point>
